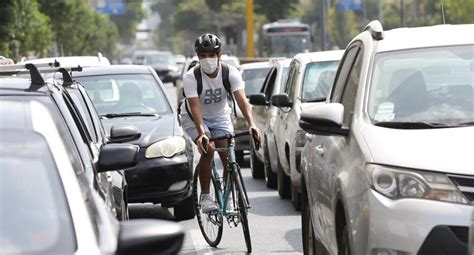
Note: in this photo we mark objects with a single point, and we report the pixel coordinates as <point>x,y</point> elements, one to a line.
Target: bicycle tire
<point>242,204</point>
<point>211,232</point>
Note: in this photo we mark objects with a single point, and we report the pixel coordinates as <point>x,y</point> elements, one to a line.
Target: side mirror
<point>118,156</point>
<point>324,119</point>
<point>281,100</point>
<point>150,237</point>
<point>124,133</point>
<point>258,99</point>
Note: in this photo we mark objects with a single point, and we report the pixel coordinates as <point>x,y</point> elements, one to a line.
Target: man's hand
<point>255,134</point>
<point>202,142</point>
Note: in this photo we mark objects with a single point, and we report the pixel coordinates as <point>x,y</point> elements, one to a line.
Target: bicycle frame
<point>223,198</point>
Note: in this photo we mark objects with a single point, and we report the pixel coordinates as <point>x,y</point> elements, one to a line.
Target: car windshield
<point>34,215</point>
<point>287,45</point>
<point>432,85</point>
<point>254,79</point>
<point>318,80</point>
<point>130,93</point>
<point>159,59</point>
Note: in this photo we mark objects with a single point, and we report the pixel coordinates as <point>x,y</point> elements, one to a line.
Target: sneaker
<point>208,205</point>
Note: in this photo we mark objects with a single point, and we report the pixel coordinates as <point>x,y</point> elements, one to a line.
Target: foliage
<point>127,23</point>
<point>275,10</point>
<point>79,29</point>
<point>24,29</point>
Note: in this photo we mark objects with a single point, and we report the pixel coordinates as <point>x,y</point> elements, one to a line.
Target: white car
<point>309,80</point>
<point>264,115</point>
<point>72,61</point>
<point>388,166</point>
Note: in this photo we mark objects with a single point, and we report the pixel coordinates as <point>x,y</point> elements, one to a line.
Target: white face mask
<point>208,65</point>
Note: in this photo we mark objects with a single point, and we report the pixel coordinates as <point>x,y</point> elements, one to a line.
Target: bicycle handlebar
<point>230,136</point>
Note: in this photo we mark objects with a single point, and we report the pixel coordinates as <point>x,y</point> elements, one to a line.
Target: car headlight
<point>397,184</point>
<point>166,148</point>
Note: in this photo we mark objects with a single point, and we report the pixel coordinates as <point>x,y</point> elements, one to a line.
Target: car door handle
<point>320,149</point>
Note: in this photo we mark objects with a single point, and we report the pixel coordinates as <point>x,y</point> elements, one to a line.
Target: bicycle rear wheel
<point>211,224</point>
<point>242,206</point>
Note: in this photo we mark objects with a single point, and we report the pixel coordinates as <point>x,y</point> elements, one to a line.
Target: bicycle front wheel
<point>211,224</point>
<point>242,206</point>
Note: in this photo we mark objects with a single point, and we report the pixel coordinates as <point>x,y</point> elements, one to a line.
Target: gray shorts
<point>216,126</point>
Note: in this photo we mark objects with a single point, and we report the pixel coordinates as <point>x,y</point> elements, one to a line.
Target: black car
<point>48,206</point>
<point>163,62</point>
<point>134,95</point>
<point>69,102</point>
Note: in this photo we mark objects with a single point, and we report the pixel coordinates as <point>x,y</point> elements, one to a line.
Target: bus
<point>284,38</point>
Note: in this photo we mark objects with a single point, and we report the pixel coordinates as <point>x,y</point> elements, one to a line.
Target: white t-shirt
<point>213,96</point>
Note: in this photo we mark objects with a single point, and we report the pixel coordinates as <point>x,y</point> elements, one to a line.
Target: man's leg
<point>205,167</point>
<point>223,156</point>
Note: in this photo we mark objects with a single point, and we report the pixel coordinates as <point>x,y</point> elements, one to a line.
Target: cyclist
<point>205,113</point>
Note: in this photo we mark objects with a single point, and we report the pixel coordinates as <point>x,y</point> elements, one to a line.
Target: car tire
<point>256,166</point>
<point>295,198</point>
<point>185,211</point>
<point>270,177</point>
<point>239,157</point>
<point>284,183</point>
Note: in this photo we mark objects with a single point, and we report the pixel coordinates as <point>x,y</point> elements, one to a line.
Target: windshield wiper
<point>128,114</point>
<point>412,125</point>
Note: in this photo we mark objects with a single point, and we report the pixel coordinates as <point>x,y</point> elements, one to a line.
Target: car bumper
<point>416,226</point>
<point>160,180</point>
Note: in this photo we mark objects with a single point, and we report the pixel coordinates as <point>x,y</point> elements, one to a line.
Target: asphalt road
<point>275,227</point>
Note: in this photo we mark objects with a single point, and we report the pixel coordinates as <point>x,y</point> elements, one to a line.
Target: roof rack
<point>376,30</point>
<point>34,71</point>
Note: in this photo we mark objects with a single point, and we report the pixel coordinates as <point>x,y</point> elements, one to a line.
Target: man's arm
<point>195,107</point>
<point>244,106</point>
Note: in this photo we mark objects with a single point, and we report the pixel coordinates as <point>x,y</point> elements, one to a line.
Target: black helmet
<point>207,43</point>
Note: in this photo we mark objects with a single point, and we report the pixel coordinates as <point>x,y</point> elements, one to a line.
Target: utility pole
<point>250,44</point>
<point>401,13</point>
<point>323,25</point>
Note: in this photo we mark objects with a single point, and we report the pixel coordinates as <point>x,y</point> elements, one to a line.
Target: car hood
<point>446,150</point>
<point>152,129</point>
<point>164,67</point>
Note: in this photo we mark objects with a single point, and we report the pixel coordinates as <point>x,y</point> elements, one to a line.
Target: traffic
<point>294,148</point>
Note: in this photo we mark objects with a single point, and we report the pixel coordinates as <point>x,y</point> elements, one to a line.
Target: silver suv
<point>388,168</point>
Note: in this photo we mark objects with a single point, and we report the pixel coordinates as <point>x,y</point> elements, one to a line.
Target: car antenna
<point>442,13</point>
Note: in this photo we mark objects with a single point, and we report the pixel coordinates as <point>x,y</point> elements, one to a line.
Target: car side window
<point>85,112</point>
<point>290,77</point>
<point>350,89</point>
<point>270,84</point>
<point>343,71</point>
<point>78,120</point>
<point>294,80</point>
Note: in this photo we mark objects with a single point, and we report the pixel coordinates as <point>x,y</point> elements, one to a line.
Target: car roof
<point>113,69</point>
<point>320,56</point>
<point>429,36</point>
<point>256,65</point>
<point>72,61</point>
<point>14,85</point>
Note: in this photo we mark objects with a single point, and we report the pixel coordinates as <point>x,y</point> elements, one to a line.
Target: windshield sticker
<point>385,112</point>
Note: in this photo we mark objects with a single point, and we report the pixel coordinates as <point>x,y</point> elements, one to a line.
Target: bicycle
<point>211,223</point>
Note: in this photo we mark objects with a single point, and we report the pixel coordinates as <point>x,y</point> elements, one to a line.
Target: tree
<point>79,29</point>
<point>127,23</point>
<point>275,10</point>
<point>24,29</point>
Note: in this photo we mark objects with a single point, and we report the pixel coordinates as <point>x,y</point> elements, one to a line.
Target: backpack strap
<point>198,77</point>
<point>227,85</point>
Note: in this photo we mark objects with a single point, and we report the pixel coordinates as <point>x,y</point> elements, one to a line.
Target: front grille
<point>465,184</point>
